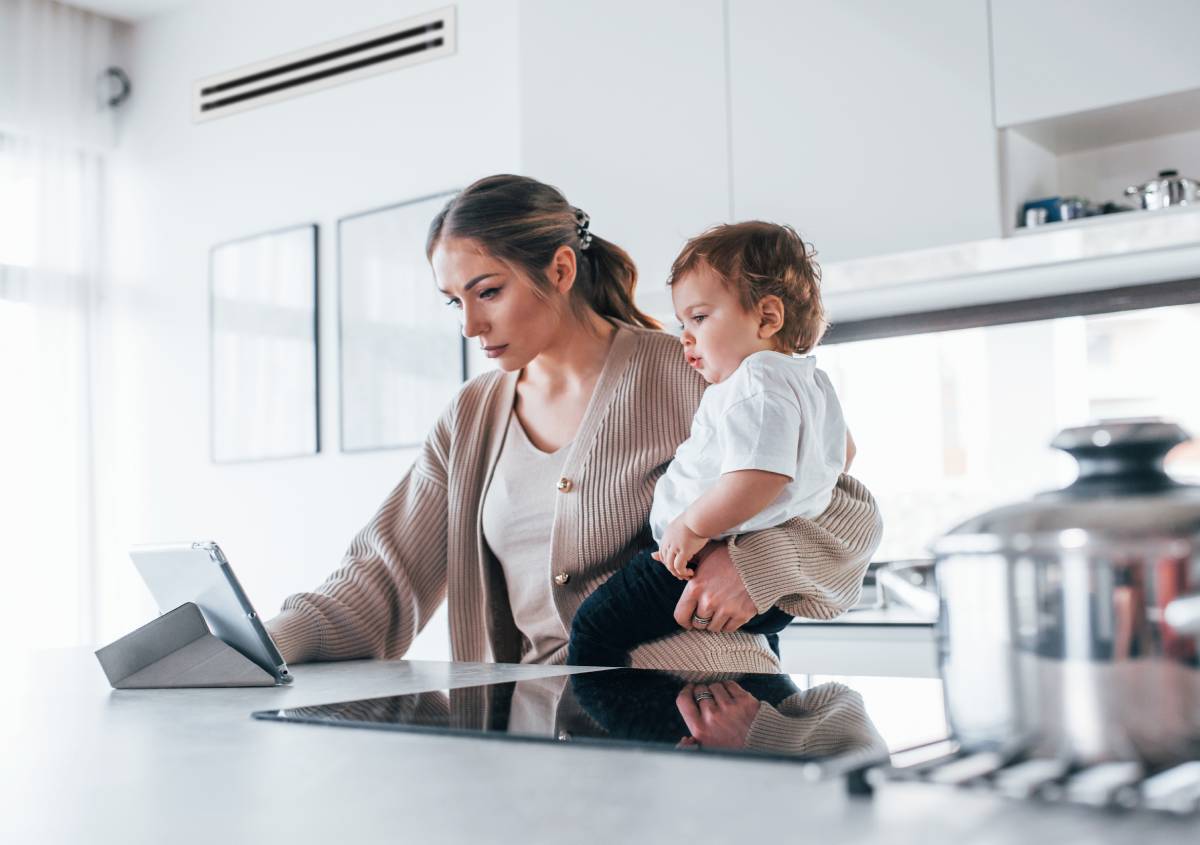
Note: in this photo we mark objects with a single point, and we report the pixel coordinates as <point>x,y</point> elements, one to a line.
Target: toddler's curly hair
<point>758,259</point>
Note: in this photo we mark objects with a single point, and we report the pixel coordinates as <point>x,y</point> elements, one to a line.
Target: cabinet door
<point>866,124</point>
<point>623,107</point>
<point>1055,58</point>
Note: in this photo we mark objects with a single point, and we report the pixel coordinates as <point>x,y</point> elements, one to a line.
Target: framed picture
<point>263,319</point>
<point>402,350</point>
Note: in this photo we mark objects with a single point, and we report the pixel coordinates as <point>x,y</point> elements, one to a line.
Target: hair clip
<point>581,228</point>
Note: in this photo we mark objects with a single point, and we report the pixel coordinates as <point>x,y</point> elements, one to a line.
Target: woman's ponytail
<point>610,282</point>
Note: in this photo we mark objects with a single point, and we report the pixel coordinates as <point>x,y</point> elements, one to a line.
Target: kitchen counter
<point>892,615</point>
<point>84,763</point>
<point>893,640</point>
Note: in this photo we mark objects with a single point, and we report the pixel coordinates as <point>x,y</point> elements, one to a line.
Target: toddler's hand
<point>679,545</point>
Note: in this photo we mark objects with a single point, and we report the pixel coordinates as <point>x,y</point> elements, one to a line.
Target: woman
<point>535,484</point>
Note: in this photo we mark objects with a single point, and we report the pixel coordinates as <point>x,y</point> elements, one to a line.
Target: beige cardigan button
<point>562,578</point>
<point>564,485</point>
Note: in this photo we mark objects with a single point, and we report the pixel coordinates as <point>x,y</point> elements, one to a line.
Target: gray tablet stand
<point>178,650</point>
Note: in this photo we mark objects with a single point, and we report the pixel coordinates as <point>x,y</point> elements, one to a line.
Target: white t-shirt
<point>777,413</point>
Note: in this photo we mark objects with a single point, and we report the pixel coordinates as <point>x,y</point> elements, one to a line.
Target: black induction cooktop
<point>835,724</point>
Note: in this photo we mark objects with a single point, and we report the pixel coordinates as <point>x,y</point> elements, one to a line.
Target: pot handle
<point>893,582</point>
<point>1183,614</point>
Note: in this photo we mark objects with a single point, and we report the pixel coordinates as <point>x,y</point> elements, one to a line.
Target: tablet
<point>198,572</point>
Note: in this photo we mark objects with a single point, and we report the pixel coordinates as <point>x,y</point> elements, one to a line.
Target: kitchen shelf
<point>1110,251</point>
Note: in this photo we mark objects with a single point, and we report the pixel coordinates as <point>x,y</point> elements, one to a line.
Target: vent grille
<point>386,48</point>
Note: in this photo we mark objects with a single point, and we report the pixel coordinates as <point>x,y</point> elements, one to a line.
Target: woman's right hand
<point>717,594</point>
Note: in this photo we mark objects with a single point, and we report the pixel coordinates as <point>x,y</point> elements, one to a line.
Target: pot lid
<point>1161,182</point>
<point>1122,495</point>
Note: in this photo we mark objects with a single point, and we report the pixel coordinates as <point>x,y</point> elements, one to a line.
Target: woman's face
<point>496,305</point>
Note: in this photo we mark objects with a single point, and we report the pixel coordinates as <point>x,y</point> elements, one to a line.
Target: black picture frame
<point>401,354</point>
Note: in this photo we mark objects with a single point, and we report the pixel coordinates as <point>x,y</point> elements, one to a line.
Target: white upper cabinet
<point>865,124</point>
<point>623,107</point>
<point>1056,57</point>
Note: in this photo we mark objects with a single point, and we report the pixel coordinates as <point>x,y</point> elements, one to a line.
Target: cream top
<point>518,513</point>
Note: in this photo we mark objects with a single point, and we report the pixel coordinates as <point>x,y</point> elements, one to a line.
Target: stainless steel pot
<point>1069,625</point>
<point>1167,190</point>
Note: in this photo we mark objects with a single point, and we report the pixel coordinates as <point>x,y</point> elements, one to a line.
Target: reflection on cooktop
<point>822,723</point>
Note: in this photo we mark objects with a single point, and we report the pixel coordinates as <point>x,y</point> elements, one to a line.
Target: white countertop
<point>1103,236</point>
<point>895,614</point>
<point>1108,251</point>
<point>84,763</point>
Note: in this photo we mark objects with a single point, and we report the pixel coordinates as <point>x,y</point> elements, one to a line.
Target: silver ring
<point>703,695</point>
<point>700,620</point>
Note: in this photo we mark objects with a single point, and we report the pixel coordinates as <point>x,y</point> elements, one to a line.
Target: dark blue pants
<point>636,605</point>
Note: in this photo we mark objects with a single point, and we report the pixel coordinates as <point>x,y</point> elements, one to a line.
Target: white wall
<point>177,188</point>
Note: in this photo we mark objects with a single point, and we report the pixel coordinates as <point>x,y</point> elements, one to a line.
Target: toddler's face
<point>718,333</point>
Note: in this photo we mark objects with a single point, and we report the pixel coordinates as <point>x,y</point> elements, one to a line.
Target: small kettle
<point>1167,190</point>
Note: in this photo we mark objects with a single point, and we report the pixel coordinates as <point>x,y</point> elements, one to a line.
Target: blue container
<point>1053,206</point>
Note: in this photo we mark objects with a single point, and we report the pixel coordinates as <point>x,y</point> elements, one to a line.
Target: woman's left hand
<point>716,593</point>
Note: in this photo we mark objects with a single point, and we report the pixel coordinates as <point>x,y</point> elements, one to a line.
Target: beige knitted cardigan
<point>425,544</point>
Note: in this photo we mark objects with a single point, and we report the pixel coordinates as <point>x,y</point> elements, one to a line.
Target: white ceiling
<point>128,10</point>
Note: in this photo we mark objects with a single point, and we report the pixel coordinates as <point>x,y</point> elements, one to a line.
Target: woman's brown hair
<point>523,221</point>
<point>758,259</point>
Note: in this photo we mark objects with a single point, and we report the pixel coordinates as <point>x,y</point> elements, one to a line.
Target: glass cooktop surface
<point>835,723</point>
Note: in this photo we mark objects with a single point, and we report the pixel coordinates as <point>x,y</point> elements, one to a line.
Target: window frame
<point>1085,304</point>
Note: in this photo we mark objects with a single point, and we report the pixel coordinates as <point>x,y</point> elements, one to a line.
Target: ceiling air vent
<point>397,45</point>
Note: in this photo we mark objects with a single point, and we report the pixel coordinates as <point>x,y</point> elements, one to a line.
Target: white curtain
<point>54,133</point>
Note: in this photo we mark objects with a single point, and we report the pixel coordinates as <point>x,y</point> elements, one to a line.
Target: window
<point>45,446</point>
<point>950,423</point>
<point>16,213</point>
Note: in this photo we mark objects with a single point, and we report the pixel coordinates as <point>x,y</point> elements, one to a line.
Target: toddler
<point>767,444</point>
